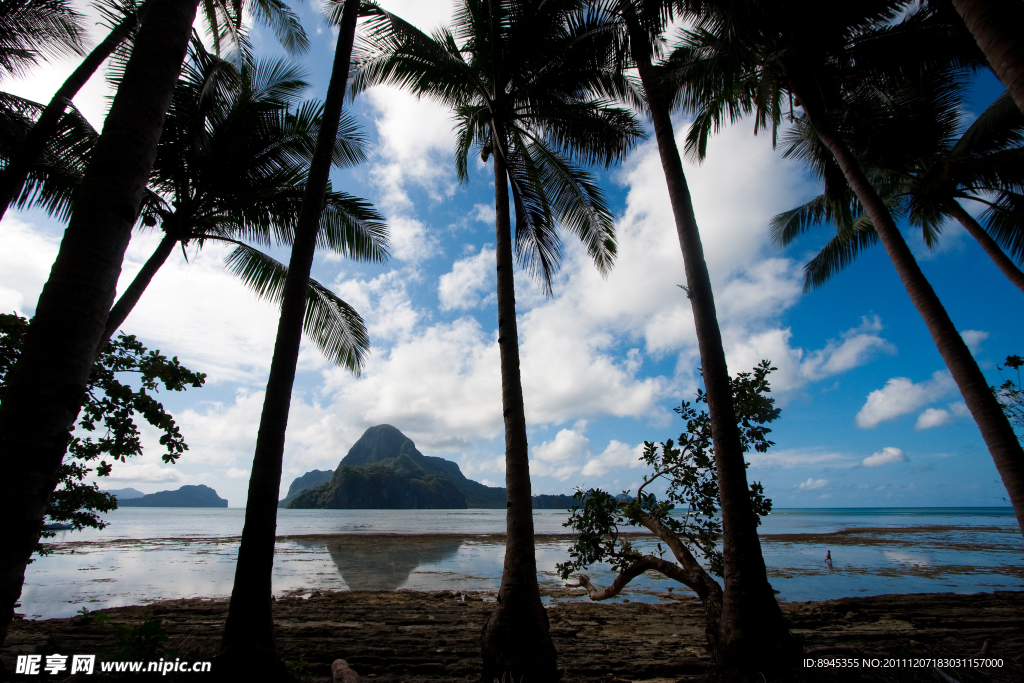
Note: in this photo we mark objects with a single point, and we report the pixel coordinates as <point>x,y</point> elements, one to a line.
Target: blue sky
<point>870,417</point>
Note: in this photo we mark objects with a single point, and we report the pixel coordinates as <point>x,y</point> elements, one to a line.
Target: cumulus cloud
<point>416,144</point>
<point>617,454</point>
<point>973,339</point>
<point>142,473</point>
<point>561,456</point>
<point>812,484</point>
<point>900,396</point>
<point>936,417</point>
<point>797,367</point>
<point>469,283</point>
<point>886,456</point>
<point>26,256</point>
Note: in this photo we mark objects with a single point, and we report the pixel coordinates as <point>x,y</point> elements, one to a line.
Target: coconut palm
<point>751,58</point>
<point>34,30</point>
<point>920,167</point>
<point>751,624</point>
<point>249,651</point>
<point>997,27</point>
<point>45,389</point>
<point>529,83</point>
<point>58,171</point>
<point>230,168</point>
<point>223,20</point>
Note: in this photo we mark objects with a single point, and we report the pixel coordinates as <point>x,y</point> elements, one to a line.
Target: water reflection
<point>386,563</point>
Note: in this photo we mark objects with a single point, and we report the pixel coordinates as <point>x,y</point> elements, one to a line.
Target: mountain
<point>125,494</point>
<point>186,497</point>
<point>378,487</point>
<point>309,480</point>
<point>400,473</point>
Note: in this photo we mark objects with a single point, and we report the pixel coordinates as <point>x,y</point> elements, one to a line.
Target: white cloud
<point>26,256</point>
<point>900,396</point>
<point>469,283</point>
<point>416,147</point>
<point>812,484</point>
<point>617,454</point>
<point>143,473</point>
<point>425,15</point>
<point>936,417</point>
<point>484,213</point>
<point>933,417</point>
<point>886,456</point>
<point>410,240</point>
<point>567,445</point>
<point>791,458</point>
<point>235,473</point>
<point>973,339</point>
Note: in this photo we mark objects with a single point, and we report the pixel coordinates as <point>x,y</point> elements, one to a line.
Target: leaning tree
<point>686,518</point>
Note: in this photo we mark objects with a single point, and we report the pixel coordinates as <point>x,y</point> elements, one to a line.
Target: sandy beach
<point>411,637</point>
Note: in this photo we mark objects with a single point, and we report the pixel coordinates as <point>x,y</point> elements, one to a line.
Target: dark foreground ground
<point>404,636</point>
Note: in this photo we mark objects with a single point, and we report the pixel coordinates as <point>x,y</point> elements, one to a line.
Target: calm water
<point>155,553</point>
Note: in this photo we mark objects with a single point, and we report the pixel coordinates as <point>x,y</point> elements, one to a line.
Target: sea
<point>150,554</point>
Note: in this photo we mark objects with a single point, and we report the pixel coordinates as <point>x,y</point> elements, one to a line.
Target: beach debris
<point>986,647</point>
<point>341,672</point>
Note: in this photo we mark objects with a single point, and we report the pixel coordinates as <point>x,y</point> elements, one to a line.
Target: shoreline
<point>412,637</point>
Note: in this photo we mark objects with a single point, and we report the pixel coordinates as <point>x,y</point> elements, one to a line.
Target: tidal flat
<point>866,560</point>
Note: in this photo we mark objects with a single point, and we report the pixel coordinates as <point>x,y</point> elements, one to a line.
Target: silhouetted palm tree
<point>223,20</point>
<point>249,651</point>
<point>908,144</point>
<point>751,624</point>
<point>529,82</point>
<point>751,57</point>
<point>231,166</point>
<point>45,388</point>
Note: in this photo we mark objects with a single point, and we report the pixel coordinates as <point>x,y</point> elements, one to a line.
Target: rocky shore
<point>412,637</point>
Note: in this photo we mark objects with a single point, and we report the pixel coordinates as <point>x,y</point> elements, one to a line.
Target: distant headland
<point>384,470</point>
<point>186,497</point>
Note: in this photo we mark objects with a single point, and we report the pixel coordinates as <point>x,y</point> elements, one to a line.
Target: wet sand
<point>412,637</point>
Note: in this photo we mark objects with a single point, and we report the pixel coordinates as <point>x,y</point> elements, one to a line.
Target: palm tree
<point>997,28</point>
<point>530,84</point>
<point>230,168</point>
<point>31,30</point>
<point>751,58</point>
<point>917,163</point>
<point>249,650</point>
<point>751,625</point>
<point>46,387</point>
<point>223,19</point>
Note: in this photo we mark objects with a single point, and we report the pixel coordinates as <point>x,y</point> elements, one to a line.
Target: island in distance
<point>384,471</point>
<point>186,497</point>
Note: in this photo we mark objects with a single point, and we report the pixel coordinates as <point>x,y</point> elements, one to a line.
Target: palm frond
<point>334,326</point>
<point>839,252</point>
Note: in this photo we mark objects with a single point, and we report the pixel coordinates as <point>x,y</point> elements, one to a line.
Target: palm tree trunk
<point>998,256</point>
<point>249,632</point>
<point>126,302</point>
<point>46,387</point>
<point>13,177</point>
<point>985,409</point>
<point>516,644</point>
<point>752,629</point>
<point>997,27</point>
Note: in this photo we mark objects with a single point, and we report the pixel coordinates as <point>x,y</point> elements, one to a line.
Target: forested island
<point>384,470</point>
